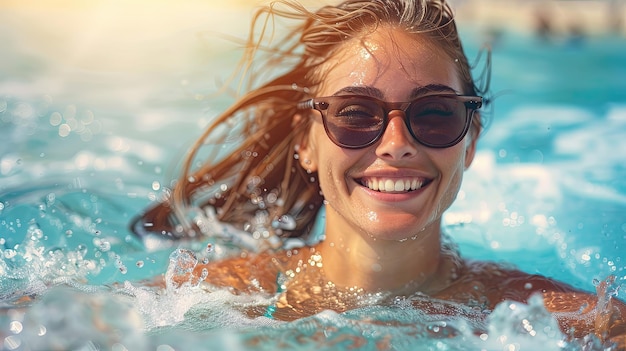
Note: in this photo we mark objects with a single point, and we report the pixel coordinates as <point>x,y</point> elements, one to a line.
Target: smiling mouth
<point>386,185</point>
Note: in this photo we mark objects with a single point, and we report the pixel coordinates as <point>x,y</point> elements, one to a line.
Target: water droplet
<point>12,342</point>
<point>102,245</point>
<point>182,263</point>
<point>139,264</point>
<point>55,119</point>
<point>64,130</point>
<point>9,253</point>
<point>16,327</point>
<point>285,222</point>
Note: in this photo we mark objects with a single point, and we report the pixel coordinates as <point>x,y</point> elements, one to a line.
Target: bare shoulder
<point>246,273</point>
<point>249,273</point>
<point>491,283</point>
<point>579,312</point>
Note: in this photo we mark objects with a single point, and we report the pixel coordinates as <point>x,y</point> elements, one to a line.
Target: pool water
<point>85,146</point>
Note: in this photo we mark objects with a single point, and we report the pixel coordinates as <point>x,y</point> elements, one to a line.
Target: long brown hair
<point>258,185</point>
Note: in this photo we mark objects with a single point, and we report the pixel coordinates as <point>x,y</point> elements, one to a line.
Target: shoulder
<point>491,283</point>
<point>578,311</point>
<point>511,279</point>
<point>249,272</point>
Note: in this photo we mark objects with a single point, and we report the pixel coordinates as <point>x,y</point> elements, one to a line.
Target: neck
<point>381,265</point>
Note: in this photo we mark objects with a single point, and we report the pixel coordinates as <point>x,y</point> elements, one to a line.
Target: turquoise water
<point>82,150</point>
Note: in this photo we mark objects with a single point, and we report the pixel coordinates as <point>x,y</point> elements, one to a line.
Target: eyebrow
<point>360,90</point>
<point>431,88</point>
<point>377,93</point>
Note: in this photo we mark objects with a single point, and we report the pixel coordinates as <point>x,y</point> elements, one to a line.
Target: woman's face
<point>392,66</point>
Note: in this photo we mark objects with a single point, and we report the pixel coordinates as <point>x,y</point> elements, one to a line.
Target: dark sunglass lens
<point>353,121</point>
<point>437,120</point>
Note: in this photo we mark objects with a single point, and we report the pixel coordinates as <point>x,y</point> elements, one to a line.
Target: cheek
<point>453,170</point>
<point>335,166</point>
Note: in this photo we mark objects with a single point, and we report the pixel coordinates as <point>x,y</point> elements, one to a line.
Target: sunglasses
<point>358,121</point>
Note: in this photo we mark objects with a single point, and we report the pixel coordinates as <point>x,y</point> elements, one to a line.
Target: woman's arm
<point>578,312</point>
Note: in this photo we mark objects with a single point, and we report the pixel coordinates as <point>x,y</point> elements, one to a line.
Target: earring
<point>307,162</point>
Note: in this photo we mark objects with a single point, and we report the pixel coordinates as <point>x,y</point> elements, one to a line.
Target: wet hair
<point>258,185</point>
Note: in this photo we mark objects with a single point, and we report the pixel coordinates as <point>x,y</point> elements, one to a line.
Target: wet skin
<point>387,238</point>
<point>390,240</point>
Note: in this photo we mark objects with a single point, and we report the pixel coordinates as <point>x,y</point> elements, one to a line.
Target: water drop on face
<point>372,216</point>
<point>377,267</point>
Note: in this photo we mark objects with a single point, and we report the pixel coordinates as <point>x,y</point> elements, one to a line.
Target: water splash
<point>30,267</point>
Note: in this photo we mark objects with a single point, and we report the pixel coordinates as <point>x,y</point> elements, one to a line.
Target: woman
<point>376,115</point>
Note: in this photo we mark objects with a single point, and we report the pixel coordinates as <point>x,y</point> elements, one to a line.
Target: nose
<point>396,142</point>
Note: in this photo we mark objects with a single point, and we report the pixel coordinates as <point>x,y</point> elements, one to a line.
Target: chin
<point>402,228</point>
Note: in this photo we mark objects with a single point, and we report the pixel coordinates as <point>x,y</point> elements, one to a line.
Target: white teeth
<point>390,185</point>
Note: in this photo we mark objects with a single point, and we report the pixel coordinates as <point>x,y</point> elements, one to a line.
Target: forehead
<point>391,61</point>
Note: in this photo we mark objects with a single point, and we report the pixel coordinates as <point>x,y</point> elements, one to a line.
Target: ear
<point>307,155</point>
